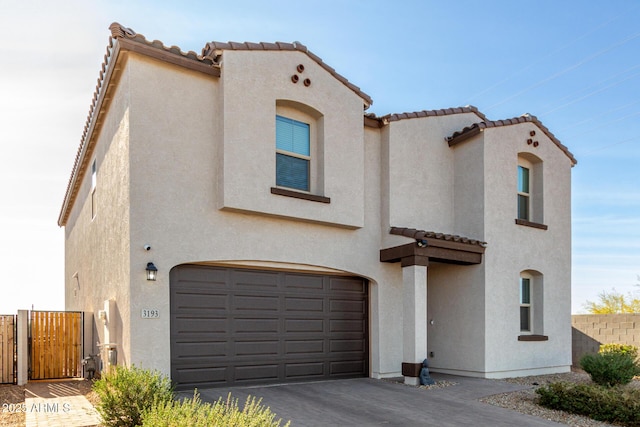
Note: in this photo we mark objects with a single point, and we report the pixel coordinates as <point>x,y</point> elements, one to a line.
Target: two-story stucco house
<point>291,236</point>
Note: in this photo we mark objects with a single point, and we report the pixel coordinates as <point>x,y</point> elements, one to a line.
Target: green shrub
<point>125,393</point>
<point>613,405</point>
<point>611,367</point>
<point>195,413</point>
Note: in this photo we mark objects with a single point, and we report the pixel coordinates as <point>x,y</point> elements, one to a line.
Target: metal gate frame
<point>8,350</point>
<point>55,344</point>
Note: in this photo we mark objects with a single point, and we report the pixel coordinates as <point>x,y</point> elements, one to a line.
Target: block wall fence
<point>591,330</point>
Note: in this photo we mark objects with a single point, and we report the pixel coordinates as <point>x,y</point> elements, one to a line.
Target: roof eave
<point>113,52</point>
<point>122,40</point>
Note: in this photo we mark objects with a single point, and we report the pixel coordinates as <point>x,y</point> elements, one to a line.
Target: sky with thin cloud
<point>573,64</point>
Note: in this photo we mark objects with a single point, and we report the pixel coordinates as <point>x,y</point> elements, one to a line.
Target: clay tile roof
<point>215,49</point>
<point>476,128</point>
<point>421,234</point>
<point>120,32</point>
<point>430,113</point>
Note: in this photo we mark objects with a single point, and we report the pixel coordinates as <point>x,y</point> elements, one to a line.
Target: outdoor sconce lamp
<point>422,243</point>
<point>152,271</point>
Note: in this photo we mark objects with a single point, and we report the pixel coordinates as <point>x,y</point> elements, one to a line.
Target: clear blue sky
<point>573,64</point>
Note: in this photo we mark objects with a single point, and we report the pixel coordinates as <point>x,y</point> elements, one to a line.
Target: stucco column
<point>414,337</point>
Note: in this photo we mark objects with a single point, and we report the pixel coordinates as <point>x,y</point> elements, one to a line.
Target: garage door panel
<point>343,325</point>
<point>347,306</point>
<point>303,283</point>
<point>198,277</point>
<point>256,348</point>
<point>201,349</point>
<point>255,325</point>
<point>262,327</point>
<point>256,372</point>
<point>304,370</point>
<point>190,325</point>
<point>347,285</point>
<point>346,367</point>
<point>304,304</point>
<point>211,376</point>
<point>304,325</point>
<point>249,279</point>
<point>195,300</point>
<point>255,303</point>
<point>304,347</point>
<point>340,346</point>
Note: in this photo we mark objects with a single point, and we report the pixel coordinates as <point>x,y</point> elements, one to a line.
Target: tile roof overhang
<point>477,128</point>
<point>371,120</point>
<point>430,246</point>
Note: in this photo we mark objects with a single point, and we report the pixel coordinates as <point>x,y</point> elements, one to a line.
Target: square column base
<point>412,380</point>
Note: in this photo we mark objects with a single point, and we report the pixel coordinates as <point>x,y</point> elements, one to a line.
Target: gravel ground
<point>525,401</point>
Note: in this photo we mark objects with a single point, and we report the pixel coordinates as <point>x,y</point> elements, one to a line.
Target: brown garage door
<point>237,326</point>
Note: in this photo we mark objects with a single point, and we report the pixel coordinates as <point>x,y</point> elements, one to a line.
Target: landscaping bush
<point>613,405</point>
<point>126,393</point>
<point>613,365</point>
<point>194,413</point>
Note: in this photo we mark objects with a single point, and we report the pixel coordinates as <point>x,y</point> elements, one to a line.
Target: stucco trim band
<point>533,338</point>
<point>299,195</point>
<point>531,224</point>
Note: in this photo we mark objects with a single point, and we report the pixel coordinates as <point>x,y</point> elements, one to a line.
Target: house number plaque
<point>150,313</point>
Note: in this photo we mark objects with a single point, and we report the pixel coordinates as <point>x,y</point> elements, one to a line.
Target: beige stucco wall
<point>251,84</point>
<point>97,250</point>
<point>421,172</point>
<point>516,248</point>
<point>186,163</point>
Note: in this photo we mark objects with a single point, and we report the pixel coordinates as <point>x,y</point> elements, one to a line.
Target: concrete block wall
<point>589,331</point>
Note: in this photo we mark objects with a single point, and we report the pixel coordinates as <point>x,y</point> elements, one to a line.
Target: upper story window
<point>523,193</point>
<point>293,154</point>
<point>530,200</point>
<point>299,152</point>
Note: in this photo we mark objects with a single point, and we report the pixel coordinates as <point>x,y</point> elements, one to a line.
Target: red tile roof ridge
<point>422,234</point>
<point>119,31</point>
<point>471,130</point>
<point>431,113</point>
<point>214,50</point>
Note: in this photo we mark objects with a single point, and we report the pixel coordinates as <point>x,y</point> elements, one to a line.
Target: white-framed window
<point>531,303</point>
<point>525,304</point>
<point>94,183</point>
<point>524,195</point>
<point>293,154</point>
<point>530,190</point>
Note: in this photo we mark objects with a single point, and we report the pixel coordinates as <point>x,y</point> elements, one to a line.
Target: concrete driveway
<point>369,402</point>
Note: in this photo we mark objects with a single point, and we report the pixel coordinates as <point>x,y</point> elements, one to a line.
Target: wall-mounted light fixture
<point>422,243</point>
<point>152,271</point>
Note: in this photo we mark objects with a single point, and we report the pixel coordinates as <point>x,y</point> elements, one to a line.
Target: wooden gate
<point>7,348</point>
<point>55,345</point>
